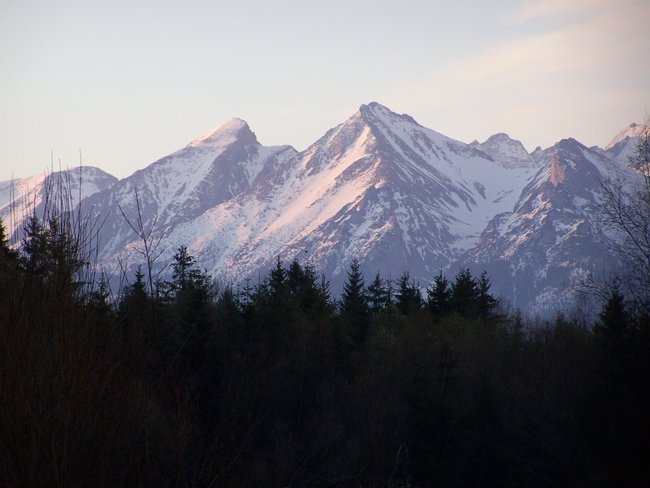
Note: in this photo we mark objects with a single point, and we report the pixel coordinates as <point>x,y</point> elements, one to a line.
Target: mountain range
<point>378,187</point>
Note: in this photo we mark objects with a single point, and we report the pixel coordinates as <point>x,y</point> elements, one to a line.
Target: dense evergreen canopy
<point>278,384</point>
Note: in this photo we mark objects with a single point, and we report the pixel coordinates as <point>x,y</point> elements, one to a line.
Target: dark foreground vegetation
<point>277,384</point>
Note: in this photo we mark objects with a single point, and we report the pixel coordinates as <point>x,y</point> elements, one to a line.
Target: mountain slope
<point>24,197</point>
<point>622,148</point>
<point>182,186</point>
<point>553,238</point>
<point>379,186</point>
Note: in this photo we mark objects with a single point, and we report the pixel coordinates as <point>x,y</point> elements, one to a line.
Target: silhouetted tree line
<point>278,383</point>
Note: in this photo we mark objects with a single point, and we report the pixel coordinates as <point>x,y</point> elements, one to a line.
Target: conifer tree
<point>6,252</point>
<point>278,281</point>
<point>326,304</point>
<point>305,290</point>
<point>51,256</point>
<point>486,304</point>
<point>613,320</point>
<point>295,278</point>
<point>246,294</point>
<point>34,247</point>
<point>8,269</point>
<point>98,299</point>
<point>390,292</point>
<point>135,294</point>
<point>192,308</point>
<point>377,294</point>
<point>8,256</point>
<point>134,311</point>
<point>408,296</point>
<point>354,295</point>
<point>464,294</point>
<point>438,296</point>
<point>354,305</point>
<point>182,268</point>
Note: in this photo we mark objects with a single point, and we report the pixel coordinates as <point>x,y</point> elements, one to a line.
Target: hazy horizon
<point>128,83</point>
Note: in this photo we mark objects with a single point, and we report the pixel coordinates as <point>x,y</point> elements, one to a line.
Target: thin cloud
<point>563,9</point>
<point>556,79</point>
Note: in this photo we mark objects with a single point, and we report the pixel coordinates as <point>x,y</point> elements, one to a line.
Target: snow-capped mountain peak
<point>631,131</point>
<point>225,134</point>
<point>623,147</point>
<point>22,197</point>
<point>508,152</point>
<point>379,187</point>
<point>377,111</point>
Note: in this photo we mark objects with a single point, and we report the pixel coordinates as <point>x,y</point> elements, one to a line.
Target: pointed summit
<point>623,147</point>
<point>375,108</point>
<point>508,152</point>
<point>379,187</point>
<point>230,131</point>
<point>633,130</point>
<point>376,111</point>
<point>377,132</point>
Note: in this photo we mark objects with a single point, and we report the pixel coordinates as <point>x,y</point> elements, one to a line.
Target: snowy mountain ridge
<point>23,197</point>
<point>379,187</point>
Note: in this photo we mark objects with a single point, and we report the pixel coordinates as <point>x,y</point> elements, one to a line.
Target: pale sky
<point>127,82</point>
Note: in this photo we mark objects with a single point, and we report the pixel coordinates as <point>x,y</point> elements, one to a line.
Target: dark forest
<point>187,382</point>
